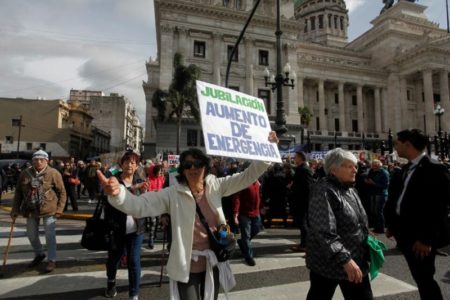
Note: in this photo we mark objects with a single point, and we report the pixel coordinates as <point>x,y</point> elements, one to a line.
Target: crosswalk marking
<point>70,251</point>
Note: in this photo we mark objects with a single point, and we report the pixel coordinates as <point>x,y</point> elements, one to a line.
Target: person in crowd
<point>274,192</point>
<point>155,182</point>
<point>319,171</point>
<point>192,266</point>
<point>81,173</point>
<point>416,210</point>
<point>40,193</point>
<point>91,180</point>
<point>300,196</point>
<point>227,205</point>
<point>363,188</point>
<point>337,233</point>
<point>68,173</point>
<point>246,208</point>
<point>377,181</point>
<point>127,231</point>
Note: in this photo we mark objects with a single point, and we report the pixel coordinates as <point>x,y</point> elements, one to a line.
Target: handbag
<point>74,181</point>
<point>222,242</point>
<point>97,234</point>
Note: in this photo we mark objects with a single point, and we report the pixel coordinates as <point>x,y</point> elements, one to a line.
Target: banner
<point>235,124</point>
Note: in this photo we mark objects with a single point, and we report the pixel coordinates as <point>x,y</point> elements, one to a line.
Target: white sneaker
<point>134,298</point>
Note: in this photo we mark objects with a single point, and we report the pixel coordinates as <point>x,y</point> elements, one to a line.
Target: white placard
<point>173,159</point>
<point>235,124</point>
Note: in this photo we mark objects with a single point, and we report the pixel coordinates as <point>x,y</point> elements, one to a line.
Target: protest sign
<point>235,124</point>
<point>173,159</point>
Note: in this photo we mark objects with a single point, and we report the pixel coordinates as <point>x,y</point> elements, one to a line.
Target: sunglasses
<point>197,164</point>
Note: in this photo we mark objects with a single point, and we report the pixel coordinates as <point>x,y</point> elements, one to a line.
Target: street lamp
<point>277,81</point>
<point>439,111</point>
<point>280,80</point>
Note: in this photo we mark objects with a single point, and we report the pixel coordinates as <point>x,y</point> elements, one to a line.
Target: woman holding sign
<point>192,266</point>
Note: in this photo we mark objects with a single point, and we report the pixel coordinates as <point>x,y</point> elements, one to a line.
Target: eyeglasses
<point>197,164</point>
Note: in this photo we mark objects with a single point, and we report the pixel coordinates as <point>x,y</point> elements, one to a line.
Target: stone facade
<point>113,114</point>
<point>390,77</point>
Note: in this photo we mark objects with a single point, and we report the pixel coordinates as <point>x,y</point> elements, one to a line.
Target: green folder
<point>376,248</point>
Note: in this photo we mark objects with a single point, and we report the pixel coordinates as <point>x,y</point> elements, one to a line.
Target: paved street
<point>279,273</point>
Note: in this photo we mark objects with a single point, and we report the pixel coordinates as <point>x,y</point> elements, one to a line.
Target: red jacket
<point>156,183</point>
<point>247,202</point>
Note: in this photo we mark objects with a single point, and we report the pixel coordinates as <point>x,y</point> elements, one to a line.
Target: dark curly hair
<point>196,154</point>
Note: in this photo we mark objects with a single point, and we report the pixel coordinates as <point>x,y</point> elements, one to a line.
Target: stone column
<point>445,101</point>
<point>341,100</point>
<point>429,101</point>
<point>393,100</point>
<point>322,117</point>
<point>301,97</point>
<point>377,108</point>
<point>385,105</point>
<point>420,114</point>
<point>217,58</point>
<point>404,121</point>
<point>166,56</point>
<point>360,106</point>
<point>249,80</point>
<point>182,42</point>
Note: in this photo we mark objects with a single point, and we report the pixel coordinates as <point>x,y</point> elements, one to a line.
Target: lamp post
<point>390,143</point>
<point>439,111</point>
<point>17,122</point>
<point>279,80</point>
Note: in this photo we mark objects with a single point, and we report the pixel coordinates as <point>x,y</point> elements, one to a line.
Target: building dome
<point>324,21</point>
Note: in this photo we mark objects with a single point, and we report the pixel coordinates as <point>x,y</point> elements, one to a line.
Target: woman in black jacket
<point>128,232</point>
<point>337,233</point>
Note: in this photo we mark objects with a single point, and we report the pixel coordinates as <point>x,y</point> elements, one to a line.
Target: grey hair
<point>336,157</point>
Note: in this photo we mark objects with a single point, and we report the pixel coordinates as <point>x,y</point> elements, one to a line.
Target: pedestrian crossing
<point>278,274</point>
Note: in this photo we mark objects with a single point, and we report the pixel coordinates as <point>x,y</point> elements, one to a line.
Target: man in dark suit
<point>301,182</point>
<point>416,210</point>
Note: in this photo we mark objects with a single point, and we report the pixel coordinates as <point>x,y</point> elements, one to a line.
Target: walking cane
<point>162,255</point>
<point>5,255</point>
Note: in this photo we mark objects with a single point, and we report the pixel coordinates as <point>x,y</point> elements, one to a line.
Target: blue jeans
<point>249,226</point>
<point>50,236</point>
<point>132,244</point>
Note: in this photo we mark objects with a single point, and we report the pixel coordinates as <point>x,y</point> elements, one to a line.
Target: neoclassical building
<point>390,77</point>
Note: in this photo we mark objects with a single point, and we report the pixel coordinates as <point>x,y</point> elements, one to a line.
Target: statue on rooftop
<point>388,4</point>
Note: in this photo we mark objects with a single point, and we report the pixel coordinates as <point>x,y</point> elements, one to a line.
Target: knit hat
<point>40,154</point>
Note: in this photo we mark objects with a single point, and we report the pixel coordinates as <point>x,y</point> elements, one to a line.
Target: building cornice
<point>222,13</point>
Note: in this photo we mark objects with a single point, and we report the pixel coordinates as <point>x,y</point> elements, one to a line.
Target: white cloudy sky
<point>48,47</point>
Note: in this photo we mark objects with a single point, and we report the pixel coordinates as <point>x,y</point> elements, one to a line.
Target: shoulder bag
<point>96,234</point>
<point>222,242</point>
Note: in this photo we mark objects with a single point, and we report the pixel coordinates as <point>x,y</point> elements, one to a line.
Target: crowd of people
<point>336,203</point>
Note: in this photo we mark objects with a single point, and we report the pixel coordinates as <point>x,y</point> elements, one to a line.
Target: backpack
<point>35,194</point>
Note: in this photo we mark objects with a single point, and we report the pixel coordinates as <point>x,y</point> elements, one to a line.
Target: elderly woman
<point>192,267</point>
<point>337,233</point>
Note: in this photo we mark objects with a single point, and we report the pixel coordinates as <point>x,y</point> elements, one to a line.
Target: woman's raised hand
<point>273,137</point>
<point>111,186</point>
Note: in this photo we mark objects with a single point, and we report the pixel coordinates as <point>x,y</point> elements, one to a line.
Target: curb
<point>67,216</point>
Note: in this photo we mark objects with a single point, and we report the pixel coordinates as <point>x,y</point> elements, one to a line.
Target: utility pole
<point>17,122</point>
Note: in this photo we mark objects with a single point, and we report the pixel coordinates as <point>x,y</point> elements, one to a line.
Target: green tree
<point>305,119</point>
<point>305,115</point>
<point>180,100</point>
